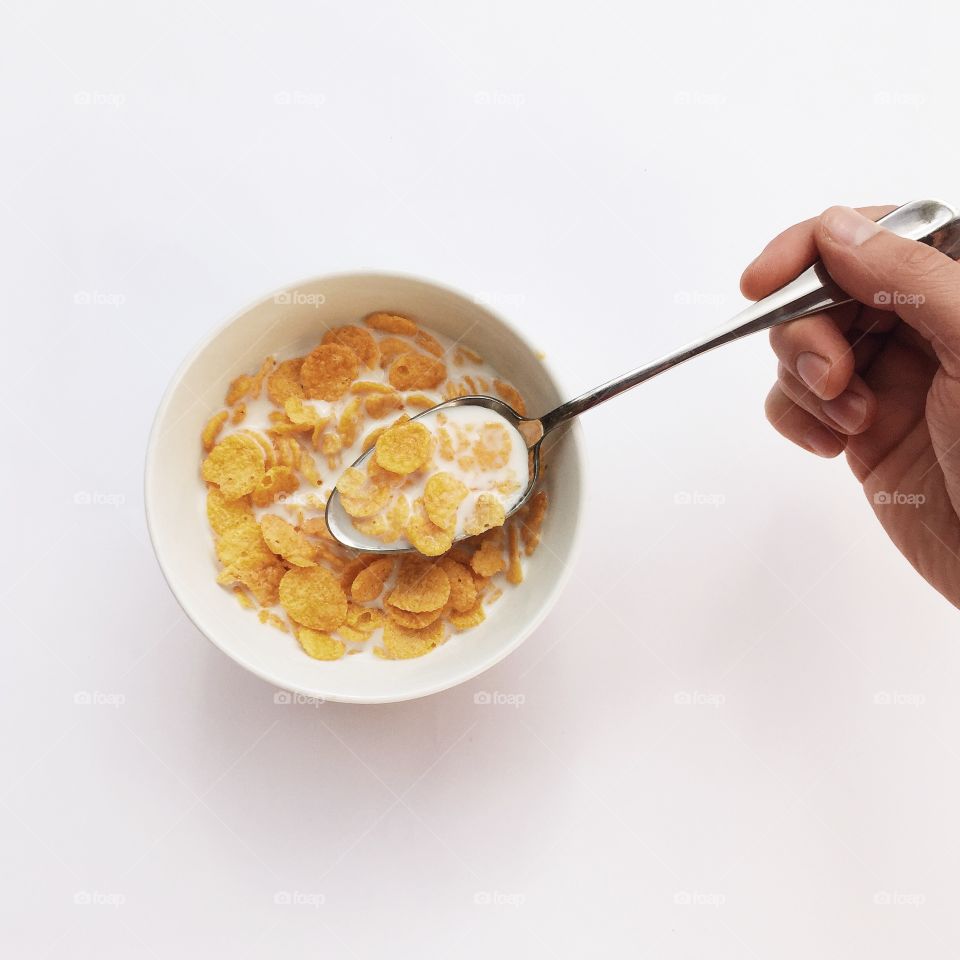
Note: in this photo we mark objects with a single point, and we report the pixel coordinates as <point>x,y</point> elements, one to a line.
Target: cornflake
<point>416,371</point>
<point>404,448</point>
<point>402,643</point>
<point>235,465</point>
<point>488,513</point>
<point>358,340</point>
<point>286,542</point>
<point>312,597</point>
<point>328,371</point>
<point>212,428</point>
<point>421,585</point>
<point>391,323</point>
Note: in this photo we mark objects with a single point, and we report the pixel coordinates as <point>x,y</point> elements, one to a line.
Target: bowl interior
<point>290,322</point>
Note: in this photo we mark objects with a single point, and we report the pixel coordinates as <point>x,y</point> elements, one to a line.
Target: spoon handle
<point>929,221</point>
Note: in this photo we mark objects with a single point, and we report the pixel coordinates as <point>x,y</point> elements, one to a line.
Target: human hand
<point>878,378</point>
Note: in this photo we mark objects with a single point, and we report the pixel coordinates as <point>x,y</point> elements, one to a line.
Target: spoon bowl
<point>339,522</point>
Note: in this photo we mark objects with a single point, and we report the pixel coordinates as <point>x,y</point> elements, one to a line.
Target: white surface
<point>601,174</point>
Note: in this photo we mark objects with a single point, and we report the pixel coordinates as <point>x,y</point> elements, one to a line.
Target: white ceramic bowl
<point>289,322</point>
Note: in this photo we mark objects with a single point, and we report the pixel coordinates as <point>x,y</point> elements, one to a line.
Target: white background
<point>600,174</point>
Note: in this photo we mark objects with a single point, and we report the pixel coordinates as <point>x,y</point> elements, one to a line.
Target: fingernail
<point>848,227</point>
<point>813,370</point>
<point>848,411</point>
<point>822,442</point>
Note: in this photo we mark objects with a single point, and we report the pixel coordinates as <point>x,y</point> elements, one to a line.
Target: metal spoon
<point>929,221</point>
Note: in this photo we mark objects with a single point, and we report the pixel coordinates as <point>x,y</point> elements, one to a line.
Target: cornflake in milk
<point>286,437</point>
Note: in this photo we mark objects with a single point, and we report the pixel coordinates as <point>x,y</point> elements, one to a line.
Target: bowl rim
<point>575,439</point>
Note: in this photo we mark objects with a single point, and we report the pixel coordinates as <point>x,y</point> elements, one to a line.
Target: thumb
<point>888,272</point>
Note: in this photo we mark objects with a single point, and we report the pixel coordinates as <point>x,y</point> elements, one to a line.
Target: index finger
<point>787,255</point>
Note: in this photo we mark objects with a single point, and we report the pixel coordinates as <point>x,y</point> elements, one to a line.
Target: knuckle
<point>922,263</point>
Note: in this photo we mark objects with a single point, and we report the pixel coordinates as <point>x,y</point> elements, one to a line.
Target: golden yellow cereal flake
<point>429,342</point>
<point>286,541</point>
<point>267,616</point>
<point>239,388</point>
<point>463,588</point>
<point>416,371</point>
<point>383,404</point>
<point>361,496</point>
<point>372,437</point>
<point>511,395</point>
<point>402,643</point>
<point>464,355</point>
<point>442,497</point>
<point>235,465</point>
<point>404,448</point>
<point>276,482</point>
<point>350,420</point>
<point>223,513</point>
<point>368,584</point>
<point>421,585</point>
<point>303,414</point>
<point>284,382</point>
<point>488,560</point>
<point>312,596</point>
<point>364,619</point>
<point>358,340</point>
<point>424,535</point>
<point>413,621</point>
<point>320,646</point>
<point>391,323</point>
<point>532,521</point>
<point>212,428</point>
<point>487,513</point>
<point>370,386</point>
<point>492,447</point>
<point>468,618</point>
<point>328,371</point>
<point>514,566</point>
<point>388,525</point>
<point>243,599</point>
